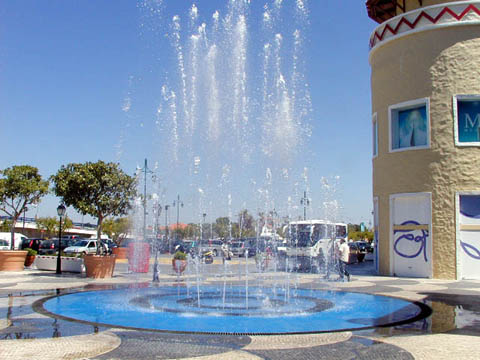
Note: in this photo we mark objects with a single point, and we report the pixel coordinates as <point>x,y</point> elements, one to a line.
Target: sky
<point>101,80</point>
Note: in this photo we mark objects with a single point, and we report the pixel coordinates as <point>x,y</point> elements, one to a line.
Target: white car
<point>84,246</point>
<point>17,236</point>
<point>4,245</point>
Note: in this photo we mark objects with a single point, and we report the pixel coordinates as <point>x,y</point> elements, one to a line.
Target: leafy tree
<point>50,225</point>
<point>5,225</point>
<point>221,227</point>
<point>20,185</point>
<point>246,226</point>
<point>360,235</point>
<point>117,229</point>
<point>98,189</point>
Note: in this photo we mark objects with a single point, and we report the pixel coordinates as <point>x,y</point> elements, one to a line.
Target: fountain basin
<point>233,310</point>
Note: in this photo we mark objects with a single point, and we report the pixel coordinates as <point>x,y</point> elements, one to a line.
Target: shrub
<point>180,255</point>
<point>31,252</point>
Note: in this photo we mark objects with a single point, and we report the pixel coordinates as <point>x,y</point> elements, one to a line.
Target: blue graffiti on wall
<point>409,236</point>
<point>470,208</point>
<point>470,250</point>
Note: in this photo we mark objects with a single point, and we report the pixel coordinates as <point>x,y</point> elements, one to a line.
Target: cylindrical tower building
<point>425,61</point>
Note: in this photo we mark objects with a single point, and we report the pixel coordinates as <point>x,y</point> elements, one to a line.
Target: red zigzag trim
<point>423,14</point>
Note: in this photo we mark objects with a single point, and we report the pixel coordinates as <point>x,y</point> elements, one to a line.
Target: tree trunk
<point>99,234</point>
<point>12,231</point>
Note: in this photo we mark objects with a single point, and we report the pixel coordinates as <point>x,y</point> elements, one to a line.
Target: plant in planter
<point>179,262</point>
<point>20,186</point>
<point>98,189</point>
<point>30,257</point>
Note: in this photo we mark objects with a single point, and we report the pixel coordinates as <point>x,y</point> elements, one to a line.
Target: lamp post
<point>178,204</point>
<point>166,227</point>
<point>61,212</point>
<point>157,209</point>
<point>305,202</point>
<point>145,171</point>
<point>203,224</point>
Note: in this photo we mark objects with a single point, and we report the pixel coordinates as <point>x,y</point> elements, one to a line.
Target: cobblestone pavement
<point>451,332</point>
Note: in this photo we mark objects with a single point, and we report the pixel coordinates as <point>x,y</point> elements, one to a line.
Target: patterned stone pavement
<point>451,332</point>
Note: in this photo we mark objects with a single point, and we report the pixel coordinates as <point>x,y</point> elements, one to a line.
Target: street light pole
<point>61,212</point>
<point>203,224</point>
<point>145,171</point>
<point>305,202</point>
<point>157,211</point>
<point>166,227</point>
<point>177,204</point>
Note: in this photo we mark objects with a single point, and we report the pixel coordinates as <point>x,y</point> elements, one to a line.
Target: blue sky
<point>82,81</point>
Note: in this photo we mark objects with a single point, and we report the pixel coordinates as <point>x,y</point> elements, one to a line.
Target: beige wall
<point>415,4</point>
<point>436,64</point>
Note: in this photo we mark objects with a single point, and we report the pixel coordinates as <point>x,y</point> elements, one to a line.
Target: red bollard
<point>138,257</point>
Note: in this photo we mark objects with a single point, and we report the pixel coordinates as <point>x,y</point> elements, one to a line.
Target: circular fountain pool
<point>233,310</point>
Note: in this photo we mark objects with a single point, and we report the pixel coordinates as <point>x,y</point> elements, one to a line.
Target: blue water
<point>262,311</point>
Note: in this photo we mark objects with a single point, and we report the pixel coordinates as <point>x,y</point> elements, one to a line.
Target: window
<point>466,114</point>
<point>409,125</point>
<point>375,134</point>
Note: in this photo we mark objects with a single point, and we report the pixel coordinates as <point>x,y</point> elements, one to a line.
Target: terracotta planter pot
<point>12,260</point>
<point>99,266</point>
<point>179,266</point>
<point>29,260</point>
<point>120,252</point>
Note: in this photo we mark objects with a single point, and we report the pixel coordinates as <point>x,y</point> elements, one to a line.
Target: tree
<point>221,227</point>
<point>117,229</point>
<point>98,189</point>
<point>50,225</point>
<point>20,185</point>
<point>5,225</point>
<point>246,224</point>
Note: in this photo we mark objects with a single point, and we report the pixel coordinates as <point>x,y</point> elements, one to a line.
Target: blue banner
<point>468,120</point>
<point>410,128</point>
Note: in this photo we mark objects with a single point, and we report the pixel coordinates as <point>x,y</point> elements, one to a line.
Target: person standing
<point>344,253</point>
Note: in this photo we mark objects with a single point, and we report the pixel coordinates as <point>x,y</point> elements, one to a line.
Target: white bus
<point>310,244</point>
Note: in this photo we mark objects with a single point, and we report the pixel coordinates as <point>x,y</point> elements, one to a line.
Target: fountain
<point>232,121</point>
<point>234,311</point>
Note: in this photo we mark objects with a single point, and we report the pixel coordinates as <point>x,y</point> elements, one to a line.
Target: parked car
<point>17,236</point>
<point>240,247</point>
<point>72,237</point>
<point>50,247</point>
<point>364,246</point>
<point>31,243</point>
<point>109,244</point>
<point>215,246</point>
<point>357,253</point>
<point>367,248</point>
<point>4,245</point>
<point>190,247</point>
<point>84,246</point>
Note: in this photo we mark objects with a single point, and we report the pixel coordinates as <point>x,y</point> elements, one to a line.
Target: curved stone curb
<point>296,341</point>
<point>438,346</point>
<point>73,347</point>
<point>237,355</point>
<point>4,323</point>
<point>404,295</point>
<point>45,286</point>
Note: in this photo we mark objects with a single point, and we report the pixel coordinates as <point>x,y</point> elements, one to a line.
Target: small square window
<point>466,114</point>
<point>409,125</point>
